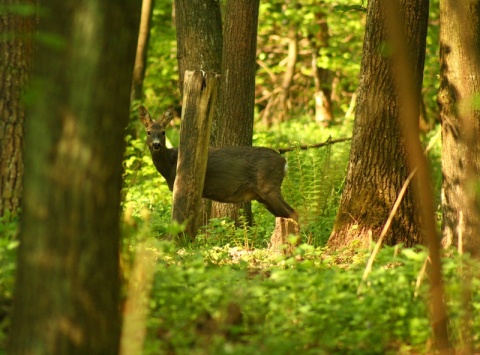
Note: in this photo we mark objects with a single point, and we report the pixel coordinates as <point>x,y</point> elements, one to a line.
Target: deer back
<point>239,174</point>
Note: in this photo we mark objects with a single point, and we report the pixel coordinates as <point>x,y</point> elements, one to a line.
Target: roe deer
<point>234,174</point>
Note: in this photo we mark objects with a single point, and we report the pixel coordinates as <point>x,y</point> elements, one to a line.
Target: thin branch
<point>316,145</point>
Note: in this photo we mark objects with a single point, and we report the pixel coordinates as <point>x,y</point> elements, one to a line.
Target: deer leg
<point>275,203</point>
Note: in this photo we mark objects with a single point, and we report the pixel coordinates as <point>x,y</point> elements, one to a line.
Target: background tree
<point>322,76</point>
<point>17,22</point>
<point>460,116</point>
<point>67,286</point>
<point>199,36</point>
<point>236,97</point>
<point>377,165</point>
<point>142,50</point>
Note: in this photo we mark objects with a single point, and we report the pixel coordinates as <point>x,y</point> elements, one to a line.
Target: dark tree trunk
<point>199,36</point>
<point>142,48</point>
<point>236,97</point>
<point>460,70</point>
<point>67,287</point>
<point>15,58</point>
<point>377,166</point>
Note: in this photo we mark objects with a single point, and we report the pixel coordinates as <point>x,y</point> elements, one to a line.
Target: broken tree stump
<point>198,106</point>
<point>284,228</point>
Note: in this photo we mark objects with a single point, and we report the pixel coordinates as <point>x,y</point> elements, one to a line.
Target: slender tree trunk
<point>67,286</point>
<point>277,107</point>
<point>460,71</point>
<point>323,92</point>
<point>142,48</point>
<point>16,51</point>
<point>323,77</point>
<point>236,97</point>
<point>378,167</point>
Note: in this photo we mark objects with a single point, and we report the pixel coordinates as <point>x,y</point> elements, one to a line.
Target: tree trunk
<point>198,106</point>
<point>142,48</point>
<point>199,46</point>
<point>277,107</point>
<point>67,286</point>
<point>460,70</point>
<point>377,165</point>
<point>199,36</point>
<point>323,77</point>
<point>15,58</point>
<point>236,97</point>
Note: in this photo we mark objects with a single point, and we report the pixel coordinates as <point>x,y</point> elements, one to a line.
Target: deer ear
<point>144,116</point>
<point>168,116</point>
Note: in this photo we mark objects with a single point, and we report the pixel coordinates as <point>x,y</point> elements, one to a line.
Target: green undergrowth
<point>9,224</point>
<point>231,300</point>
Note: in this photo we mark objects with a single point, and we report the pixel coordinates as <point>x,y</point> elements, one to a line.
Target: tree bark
<point>16,51</point>
<point>199,46</point>
<point>377,166</point>
<point>67,286</point>
<point>199,36</point>
<point>460,70</point>
<point>198,107</point>
<point>142,49</point>
<point>235,105</point>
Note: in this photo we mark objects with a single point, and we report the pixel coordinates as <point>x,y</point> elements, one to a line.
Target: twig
<point>420,276</point>
<point>385,229</point>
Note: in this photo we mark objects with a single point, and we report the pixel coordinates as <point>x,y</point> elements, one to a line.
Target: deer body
<point>234,174</point>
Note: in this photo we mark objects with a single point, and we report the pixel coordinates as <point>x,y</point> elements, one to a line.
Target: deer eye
<point>163,133</point>
<point>148,132</point>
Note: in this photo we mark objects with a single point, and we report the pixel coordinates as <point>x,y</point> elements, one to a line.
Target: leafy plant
<point>229,300</point>
<point>9,226</point>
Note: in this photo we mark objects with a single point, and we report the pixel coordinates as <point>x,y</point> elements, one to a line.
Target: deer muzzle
<point>156,145</point>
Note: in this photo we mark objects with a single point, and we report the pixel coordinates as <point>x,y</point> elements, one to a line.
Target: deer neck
<point>165,161</point>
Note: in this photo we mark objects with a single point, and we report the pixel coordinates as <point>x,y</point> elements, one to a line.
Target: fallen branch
<point>316,145</point>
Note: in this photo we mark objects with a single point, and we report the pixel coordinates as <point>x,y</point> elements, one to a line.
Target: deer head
<point>155,129</point>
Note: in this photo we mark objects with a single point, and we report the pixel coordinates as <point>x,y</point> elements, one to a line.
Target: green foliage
<point>339,50</point>
<point>313,183</point>
<point>228,300</point>
<point>431,82</point>
<point>9,224</point>
<point>342,56</point>
<point>161,77</point>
